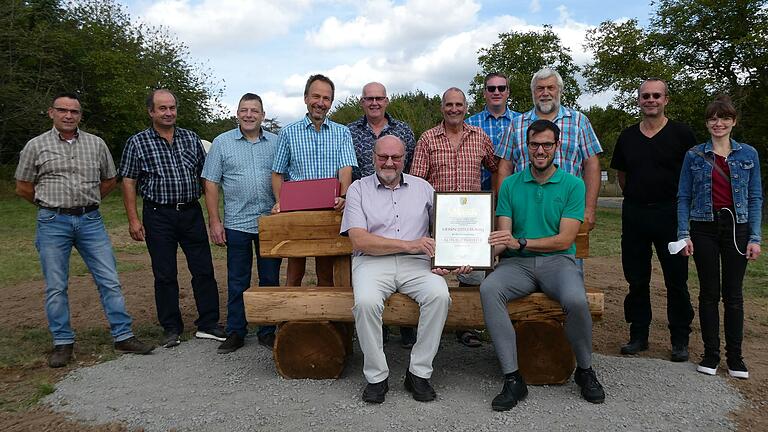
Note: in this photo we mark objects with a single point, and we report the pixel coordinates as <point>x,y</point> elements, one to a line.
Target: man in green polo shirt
<point>538,215</point>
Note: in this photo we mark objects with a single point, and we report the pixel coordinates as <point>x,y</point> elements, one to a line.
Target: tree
<point>520,55</point>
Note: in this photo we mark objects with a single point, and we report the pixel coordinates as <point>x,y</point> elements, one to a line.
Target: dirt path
<point>23,308</point>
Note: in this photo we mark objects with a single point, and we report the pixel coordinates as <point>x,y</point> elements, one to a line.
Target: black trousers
<point>713,250</point>
<point>165,230</point>
<point>643,227</point>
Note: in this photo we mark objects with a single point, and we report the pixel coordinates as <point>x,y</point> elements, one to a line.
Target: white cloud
<point>534,6</point>
<point>222,25</point>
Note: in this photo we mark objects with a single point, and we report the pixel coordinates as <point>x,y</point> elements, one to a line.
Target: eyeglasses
<point>547,146</point>
<point>74,112</point>
<point>647,96</point>
<point>384,158</point>
<point>370,99</point>
<point>492,88</point>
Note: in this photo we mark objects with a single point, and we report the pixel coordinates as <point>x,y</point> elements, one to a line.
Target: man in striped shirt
<point>579,146</point>
<point>314,148</point>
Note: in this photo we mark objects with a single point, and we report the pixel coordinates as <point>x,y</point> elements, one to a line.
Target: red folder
<point>309,194</point>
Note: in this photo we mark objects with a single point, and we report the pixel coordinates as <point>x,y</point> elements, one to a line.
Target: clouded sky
<point>270,47</point>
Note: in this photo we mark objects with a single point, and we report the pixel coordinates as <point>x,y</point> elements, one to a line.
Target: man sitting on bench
<point>538,216</point>
<point>387,218</point>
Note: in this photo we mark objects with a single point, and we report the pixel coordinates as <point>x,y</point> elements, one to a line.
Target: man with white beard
<point>579,146</point>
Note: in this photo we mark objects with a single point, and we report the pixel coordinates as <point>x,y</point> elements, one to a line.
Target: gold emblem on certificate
<point>462,223</point>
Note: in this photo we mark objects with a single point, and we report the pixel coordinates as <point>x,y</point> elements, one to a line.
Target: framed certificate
<point>462,222</point>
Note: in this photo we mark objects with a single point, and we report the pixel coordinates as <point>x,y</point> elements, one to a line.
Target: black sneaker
<point>513,392</point>
<point>170,339</point>
<point>233,343</point>
<point>375,393</point>
<point>679,353</point>
<point>216,333</point>
<point>737,368</point>
<point>708,364</point>
<point>133,346</point>
<point>61,355</point>
<point>635,346</point>
<point>591,389</point>
<point>419,387</point>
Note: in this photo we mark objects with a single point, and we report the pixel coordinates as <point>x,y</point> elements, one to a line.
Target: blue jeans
<point>240,246</point>
<point>56,235</point>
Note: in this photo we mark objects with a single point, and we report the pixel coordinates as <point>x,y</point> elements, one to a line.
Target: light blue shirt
<point>244,170</point>
<point>304,153</point>
<point>494,127</point>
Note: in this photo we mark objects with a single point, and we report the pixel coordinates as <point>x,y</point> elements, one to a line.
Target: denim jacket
<point>694,193</point>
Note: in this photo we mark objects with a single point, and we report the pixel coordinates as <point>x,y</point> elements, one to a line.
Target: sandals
<point>469,338</point>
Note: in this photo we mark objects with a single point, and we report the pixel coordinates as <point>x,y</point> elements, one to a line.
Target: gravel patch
<point>191,388</point>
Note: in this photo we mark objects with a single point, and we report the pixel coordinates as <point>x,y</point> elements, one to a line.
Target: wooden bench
<point>316,324</point>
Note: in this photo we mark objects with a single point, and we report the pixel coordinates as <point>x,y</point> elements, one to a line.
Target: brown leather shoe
<point>133,346</point>
<point>61,355</point>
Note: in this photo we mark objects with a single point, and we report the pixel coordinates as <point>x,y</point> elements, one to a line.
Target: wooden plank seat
<point>316,323</point>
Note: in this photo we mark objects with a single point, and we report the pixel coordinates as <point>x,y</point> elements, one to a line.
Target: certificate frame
<point>461,224</point>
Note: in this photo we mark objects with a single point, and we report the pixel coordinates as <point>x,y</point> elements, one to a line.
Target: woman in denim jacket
<point>721,195</point>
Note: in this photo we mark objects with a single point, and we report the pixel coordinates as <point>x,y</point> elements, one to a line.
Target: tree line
<point>700,47</point>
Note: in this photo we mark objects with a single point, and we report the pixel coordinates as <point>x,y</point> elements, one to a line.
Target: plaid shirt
<point>494,127</point>
<point>450,169</point>
<point>167,173</point>
<point>306,154</point>
<point>65,174</point>
<point>578,141</point>
<point>363,139</point>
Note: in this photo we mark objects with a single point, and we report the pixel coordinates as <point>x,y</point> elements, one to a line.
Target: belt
<point>174,206</point>
<point>74,211</point>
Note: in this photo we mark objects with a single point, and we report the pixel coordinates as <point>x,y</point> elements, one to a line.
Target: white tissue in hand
<point>675,247</point>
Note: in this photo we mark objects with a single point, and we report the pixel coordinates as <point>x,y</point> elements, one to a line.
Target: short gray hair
<point>544,74</point>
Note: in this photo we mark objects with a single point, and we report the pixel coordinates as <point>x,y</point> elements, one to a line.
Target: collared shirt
<point>401,213</point>
<point>578,141</point>
<point>66,174</point>
<point>363,139</point>
<point>494,127</point>
<point>304,153</point>
<point>167,173</point>
<point>244,170</point>
<point>450,169</point>
<point>536,209</point>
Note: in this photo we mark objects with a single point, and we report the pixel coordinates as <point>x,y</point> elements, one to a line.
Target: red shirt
<point>450,169</point>
<point>722,196</point>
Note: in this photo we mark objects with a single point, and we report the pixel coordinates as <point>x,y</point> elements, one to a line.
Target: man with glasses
<point>376,123</point>
<point>314,148</point>
<point>387,219</point>
<point>450,156</point>
<point>240,160</point>
<point>538,216</point>
<point>648,157</point>
<point>579,147</point>
<point>66,172</point>
<point>495,118</point>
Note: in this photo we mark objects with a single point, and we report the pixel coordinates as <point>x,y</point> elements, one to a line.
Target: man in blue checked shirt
<point>240,161</point>
<point>314,148</point>
<point>495,118</point>
<point>579,146</point>
<point>164,163</point>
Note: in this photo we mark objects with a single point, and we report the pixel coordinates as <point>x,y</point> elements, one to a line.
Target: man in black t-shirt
<point>648,158</point>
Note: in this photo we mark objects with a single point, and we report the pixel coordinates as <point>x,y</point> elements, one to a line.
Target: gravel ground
<point>191,388</point>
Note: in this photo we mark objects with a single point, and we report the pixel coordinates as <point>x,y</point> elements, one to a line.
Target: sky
<point>270,47</point>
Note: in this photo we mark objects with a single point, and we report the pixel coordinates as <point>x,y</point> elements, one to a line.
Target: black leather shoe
<point>635,346</point>
<point>268,340</point>
<point>513,392</point>
<point>591,389</point>
<point>374,393</point>
<point>420,388</point>
<point>679,353</point>
<point>233,343</point>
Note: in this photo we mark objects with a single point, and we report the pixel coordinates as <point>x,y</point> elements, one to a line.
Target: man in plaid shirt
<point>579,146</point>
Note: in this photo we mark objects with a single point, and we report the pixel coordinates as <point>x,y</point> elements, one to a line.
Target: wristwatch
<point>523,243</point>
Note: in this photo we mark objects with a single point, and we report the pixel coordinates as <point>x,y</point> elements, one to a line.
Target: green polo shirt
<point>536,209</point>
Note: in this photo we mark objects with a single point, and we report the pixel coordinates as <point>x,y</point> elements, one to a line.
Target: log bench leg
<point>544,353</point>
<point>315,350</point>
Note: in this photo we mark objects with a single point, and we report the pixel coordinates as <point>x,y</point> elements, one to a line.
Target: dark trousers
<point>713,249</point>
<point>165,230</point>
<point>240,246</point>
<point>643,227</point>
